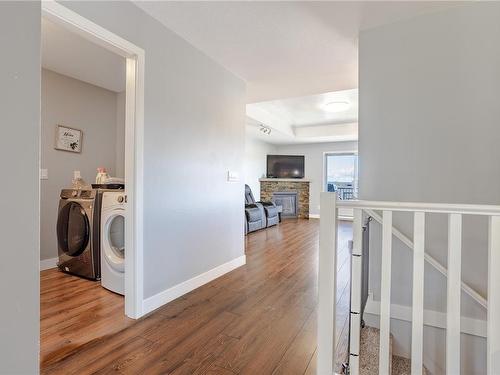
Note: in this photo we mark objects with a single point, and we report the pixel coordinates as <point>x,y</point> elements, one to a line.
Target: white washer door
<point>114,240</point>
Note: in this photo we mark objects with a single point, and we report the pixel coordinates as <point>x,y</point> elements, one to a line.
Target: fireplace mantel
<point>284,180</point>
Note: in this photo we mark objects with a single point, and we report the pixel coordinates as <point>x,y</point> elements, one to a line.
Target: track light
<point>265,129</point>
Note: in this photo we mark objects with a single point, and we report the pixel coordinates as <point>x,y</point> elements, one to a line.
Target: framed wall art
<point>68,139</point>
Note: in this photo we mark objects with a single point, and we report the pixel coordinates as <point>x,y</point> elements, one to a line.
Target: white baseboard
<point>160,299</point>
<point>47,264</point>
<point>344,218</point>
<point>437,319</point>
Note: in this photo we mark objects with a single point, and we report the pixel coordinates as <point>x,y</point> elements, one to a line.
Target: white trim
<point>327,281</point>
<point>385,297</point>
<point>417,329</point>
<point>345,218</point>
<point>134,140</point>
<point>356,272</point>
<point>340,217</point>
<point>432,318</point>
<point>178,290</point>
<point>429,259</point>
<point>47,264</point>
<point>493,326</point>
<point>454,292</point>
<point>439,208</point>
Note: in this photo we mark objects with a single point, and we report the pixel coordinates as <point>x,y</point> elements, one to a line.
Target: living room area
<point>295,149</point>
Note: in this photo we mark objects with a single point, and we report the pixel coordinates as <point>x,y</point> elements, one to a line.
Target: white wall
<point>70,102</point>
<point>19,202</point>
<point>314,164</point>
<point>255,163</point>
<point>428,124</point>
<point>194,133</point>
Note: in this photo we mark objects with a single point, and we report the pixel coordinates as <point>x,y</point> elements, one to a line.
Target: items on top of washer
<point>114,180</point>
<point>78,182</point>
<point>111,183</point>
<point>102,175</point>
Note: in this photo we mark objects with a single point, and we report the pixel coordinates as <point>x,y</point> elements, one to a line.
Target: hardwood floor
<point>258,319</point>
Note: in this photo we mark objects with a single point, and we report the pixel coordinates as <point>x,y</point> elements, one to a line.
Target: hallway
<point>260,318</point>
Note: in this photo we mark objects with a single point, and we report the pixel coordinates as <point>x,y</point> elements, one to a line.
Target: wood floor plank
<point>257,319</point>
<point>202,360</point>
<point>300,352</point>
<point>167,358</point>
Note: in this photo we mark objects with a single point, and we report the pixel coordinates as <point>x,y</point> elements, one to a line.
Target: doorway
<point>341,176</point>
<point>134,133</point>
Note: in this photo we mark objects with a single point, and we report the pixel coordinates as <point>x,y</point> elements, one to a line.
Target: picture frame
<point>68,139</point>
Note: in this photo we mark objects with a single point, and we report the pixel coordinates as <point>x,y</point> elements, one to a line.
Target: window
<point>341,174</point>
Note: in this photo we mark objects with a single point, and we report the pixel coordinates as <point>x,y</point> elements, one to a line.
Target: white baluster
<point>356,272</point>
<point>493,330</point>
<point>385,294</point>
<point>417,330</point>
<point>327,284</point>
<point>453,296</point>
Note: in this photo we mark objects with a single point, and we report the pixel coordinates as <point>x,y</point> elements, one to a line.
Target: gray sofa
<point>258,215</point>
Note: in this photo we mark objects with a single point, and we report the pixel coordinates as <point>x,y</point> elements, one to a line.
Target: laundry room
<point>82,189</point>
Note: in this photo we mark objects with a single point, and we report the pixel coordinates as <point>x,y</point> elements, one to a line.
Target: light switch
<point>233,176</point>
<point>44,174</point>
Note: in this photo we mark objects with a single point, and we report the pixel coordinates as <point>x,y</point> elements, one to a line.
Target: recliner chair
<point>258,214</point>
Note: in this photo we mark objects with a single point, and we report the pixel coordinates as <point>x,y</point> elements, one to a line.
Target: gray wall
<point>120,135</point>
<point>194,134</point>
<point>70,102</point>
<point>428,124</point>
<point>255,163</point>
<point>314,164</point>
<point>19,158</point>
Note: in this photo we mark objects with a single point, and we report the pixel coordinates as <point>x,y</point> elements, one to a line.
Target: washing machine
<point>78,233</point>
<point>113,241</point>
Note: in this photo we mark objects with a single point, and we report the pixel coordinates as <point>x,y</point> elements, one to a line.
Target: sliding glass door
<point>341,176</point>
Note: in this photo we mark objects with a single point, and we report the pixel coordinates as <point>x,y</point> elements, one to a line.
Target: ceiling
<point>69,54</point>
<point>313,110</point>
<point>307,119</point>
<point>284,49</point>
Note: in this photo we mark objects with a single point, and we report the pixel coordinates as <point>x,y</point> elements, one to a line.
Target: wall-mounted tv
<point>285,166</point>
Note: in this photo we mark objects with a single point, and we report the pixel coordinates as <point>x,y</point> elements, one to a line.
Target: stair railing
<point>327,282</point>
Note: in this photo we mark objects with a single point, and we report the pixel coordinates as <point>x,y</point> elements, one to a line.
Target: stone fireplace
<point>291,194</point>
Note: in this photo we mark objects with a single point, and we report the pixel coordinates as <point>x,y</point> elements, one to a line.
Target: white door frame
<point>134,141</point>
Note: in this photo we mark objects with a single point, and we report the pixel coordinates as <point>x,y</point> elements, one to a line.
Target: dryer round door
<point>73,229</point>
<point>114,240</point>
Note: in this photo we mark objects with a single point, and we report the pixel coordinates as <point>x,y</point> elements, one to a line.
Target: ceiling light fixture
<point>265,130</point>
<point>336,106</point>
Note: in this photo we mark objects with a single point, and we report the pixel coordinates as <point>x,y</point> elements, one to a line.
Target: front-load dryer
<point>78,233</point>
<point>113,241</point>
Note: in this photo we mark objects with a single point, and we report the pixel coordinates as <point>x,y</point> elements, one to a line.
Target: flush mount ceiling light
<point>336,106</point>
<point>265,130</point>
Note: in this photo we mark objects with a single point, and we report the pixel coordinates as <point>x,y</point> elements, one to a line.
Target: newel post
<point>327,282</point>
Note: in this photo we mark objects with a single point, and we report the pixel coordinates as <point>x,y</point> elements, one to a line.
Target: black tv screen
<point>285,166</point>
